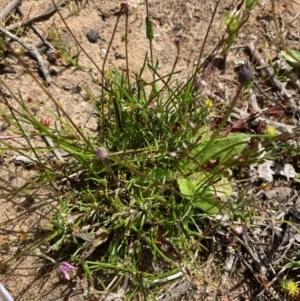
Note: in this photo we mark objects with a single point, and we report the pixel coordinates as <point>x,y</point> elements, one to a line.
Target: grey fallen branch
<point>56,153</point>
<point>32,51</point>
<point>257,278</point>
<point>110,296</point>
<point>39,34</point>
<point>252,101</point>
<point>8,9</point>
<point>261,268</point>
<point>47,14</point>
<point>175,292</point>
<point>242,114</point>
<point>275,82</point>
<point>278,125</point>
<point>269,284</point>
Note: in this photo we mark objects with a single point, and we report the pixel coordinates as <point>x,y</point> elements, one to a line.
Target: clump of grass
<point>150,184</point>
<point>62,49</point>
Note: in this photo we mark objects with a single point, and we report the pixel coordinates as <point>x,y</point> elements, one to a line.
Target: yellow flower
<point>270,131</point>
<point>290,287</point>
<point>108,74</point>
<point>208,103</point>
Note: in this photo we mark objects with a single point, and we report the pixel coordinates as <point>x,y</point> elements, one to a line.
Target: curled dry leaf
<point>279,193</point>
<point>269,168</point>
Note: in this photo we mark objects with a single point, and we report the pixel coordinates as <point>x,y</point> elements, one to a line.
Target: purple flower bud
<point>124,5</point>
<point>177,41</point>
<point>64,269</point>
<point>238,230</point>
<point>245,76</point>
<point>101,153</point>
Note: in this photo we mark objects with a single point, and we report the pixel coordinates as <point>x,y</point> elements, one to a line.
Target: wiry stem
<point>103,71</point>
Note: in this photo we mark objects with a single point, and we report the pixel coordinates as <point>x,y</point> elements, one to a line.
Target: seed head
<point>245,76</point>
<point>18,51</point>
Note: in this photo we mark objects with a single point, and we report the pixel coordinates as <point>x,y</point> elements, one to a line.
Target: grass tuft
<point>140,198</point>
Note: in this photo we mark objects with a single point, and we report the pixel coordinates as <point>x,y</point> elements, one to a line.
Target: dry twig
<point>8,9</point>
<point>275,82</point>
<point>47,14</point>
<point>32,51</point>
<point>242,114</point>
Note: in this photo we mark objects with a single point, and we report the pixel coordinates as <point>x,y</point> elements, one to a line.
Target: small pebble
<point>93,36</point>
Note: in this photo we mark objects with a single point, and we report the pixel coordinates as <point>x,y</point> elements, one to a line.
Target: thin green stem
<point>150,40</point>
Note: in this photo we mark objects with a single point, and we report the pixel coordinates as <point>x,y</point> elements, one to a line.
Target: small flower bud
<point>18,51</point>
<point>124,5</point>
<point>177,41</point>
<point>173,154</point>
<point>250,4</point>
<point>245,76</point>
<point>238,230</point>
<point>101,153</point>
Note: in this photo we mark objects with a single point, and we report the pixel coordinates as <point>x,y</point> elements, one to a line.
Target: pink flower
<point>101,153</point>
<point>64,268</point>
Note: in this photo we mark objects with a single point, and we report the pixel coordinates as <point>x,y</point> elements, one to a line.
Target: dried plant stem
<point>169,77</point>
<point>47,14</point>
<point>103,71</point>
<point>206,36</point>
<point>12,110</point>
<point>126,45</point>
<point>55,102</point>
